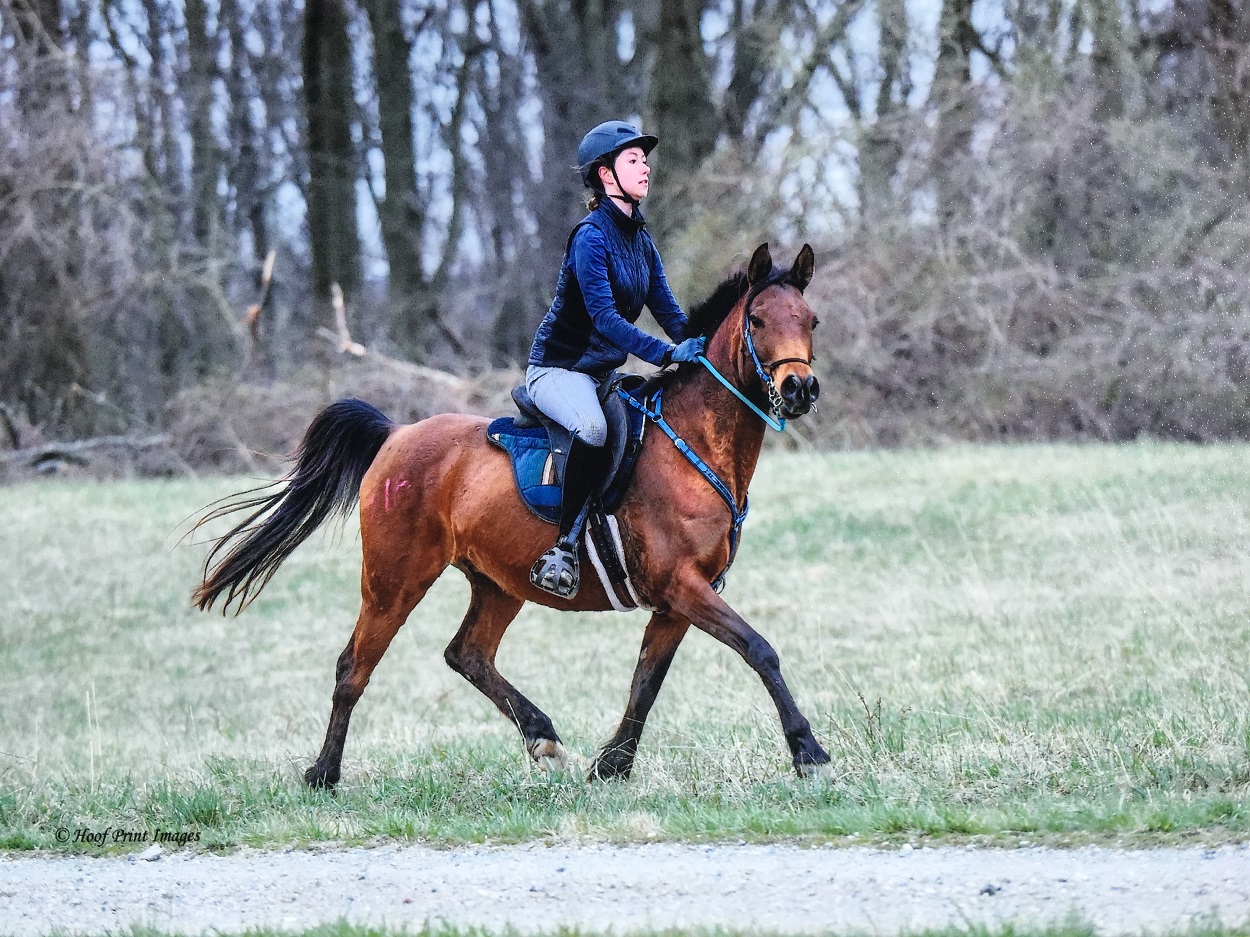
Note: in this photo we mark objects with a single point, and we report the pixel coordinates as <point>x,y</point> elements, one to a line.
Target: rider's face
<point>633,171</point>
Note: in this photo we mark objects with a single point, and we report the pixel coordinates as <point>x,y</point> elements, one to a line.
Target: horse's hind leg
<point>375,628</point>
<point>659,644</point>
<point>471,654</point>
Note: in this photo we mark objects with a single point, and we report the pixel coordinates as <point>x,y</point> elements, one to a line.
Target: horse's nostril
<point>790,386</point>
<point>813,387</point>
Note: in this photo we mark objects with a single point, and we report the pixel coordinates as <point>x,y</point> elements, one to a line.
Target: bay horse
<point>435,494</point>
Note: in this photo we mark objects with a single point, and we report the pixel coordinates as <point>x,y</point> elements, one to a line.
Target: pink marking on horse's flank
<point>399,486</point>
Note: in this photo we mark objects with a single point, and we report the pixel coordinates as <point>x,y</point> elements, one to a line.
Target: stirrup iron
<point>557,571</point>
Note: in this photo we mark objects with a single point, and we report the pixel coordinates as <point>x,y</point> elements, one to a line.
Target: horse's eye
<point>756,321</point>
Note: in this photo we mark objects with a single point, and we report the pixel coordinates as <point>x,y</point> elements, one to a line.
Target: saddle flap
<point>540,476</point>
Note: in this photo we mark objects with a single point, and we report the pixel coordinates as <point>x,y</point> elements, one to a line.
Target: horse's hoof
<point>821,772</point>
<point>549,756</point>
<point>608,771</point>
<point>320,779</point>
<point>612,765</point>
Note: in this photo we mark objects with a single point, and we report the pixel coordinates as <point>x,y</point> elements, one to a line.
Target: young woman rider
<point>610,270</point>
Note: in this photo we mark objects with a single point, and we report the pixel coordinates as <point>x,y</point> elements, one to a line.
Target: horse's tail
<point>341,443</point>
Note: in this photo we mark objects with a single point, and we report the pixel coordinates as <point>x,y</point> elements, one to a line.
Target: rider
<point>611,268</point>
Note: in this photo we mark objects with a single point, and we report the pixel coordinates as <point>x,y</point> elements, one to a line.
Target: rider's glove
<point>689,350</point>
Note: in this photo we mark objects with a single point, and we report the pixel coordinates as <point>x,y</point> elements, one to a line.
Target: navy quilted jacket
<point>610,271</point>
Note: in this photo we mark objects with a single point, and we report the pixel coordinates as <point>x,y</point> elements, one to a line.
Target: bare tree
<point>334,239</point>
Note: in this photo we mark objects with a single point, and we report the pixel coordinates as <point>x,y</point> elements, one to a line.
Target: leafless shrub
<point>225,425</point>
<point>103,308</point>
<point>1095,288</point>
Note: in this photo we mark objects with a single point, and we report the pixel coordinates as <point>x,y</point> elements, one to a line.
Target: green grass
<point>1037,642</point>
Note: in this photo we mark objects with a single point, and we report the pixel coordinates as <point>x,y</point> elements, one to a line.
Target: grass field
<point>1037,642</point>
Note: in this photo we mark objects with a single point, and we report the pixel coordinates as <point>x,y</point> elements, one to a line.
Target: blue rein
<point>779,424</point>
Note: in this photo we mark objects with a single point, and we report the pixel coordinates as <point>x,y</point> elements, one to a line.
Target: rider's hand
<point>689,350</point>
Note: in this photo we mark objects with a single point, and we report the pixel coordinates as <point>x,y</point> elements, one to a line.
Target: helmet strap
<point>624,196</point>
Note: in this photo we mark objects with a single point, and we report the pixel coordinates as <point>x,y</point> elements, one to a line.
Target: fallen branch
<point>252,318</point>
<point>342,339</point>
<point>72,451</point>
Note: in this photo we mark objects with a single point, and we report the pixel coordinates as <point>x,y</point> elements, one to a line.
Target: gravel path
<point>539,888</point>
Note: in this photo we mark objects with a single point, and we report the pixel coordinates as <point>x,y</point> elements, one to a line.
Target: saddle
<point>539,447</point>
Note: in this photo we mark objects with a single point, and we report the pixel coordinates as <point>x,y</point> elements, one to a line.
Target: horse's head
<point>777,326</point>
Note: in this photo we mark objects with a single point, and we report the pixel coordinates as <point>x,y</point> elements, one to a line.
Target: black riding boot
<point>557,571</point>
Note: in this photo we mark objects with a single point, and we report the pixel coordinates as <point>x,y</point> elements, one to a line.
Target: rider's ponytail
<point>595,194</point>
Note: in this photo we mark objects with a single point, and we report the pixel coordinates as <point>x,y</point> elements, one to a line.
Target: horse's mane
<point>706,317</point>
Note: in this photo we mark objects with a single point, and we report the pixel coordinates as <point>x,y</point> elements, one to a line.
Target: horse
<point>435,494</point>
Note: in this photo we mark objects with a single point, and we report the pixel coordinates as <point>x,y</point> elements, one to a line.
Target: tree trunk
<point>197,98</point>
<point>952,95</point>
<point>580,80</point>
<point>1228,39</point>
<point>43,351</point>
<point>400,212</point>
<point>881,143</point>
<point>683,115</point>
<point>1108,59</point>
<point>333,235</point>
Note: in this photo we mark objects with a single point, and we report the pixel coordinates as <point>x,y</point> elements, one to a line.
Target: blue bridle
<point>655,414</point>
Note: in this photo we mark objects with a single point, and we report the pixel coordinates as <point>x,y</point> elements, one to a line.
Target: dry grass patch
<point>1043,638</point>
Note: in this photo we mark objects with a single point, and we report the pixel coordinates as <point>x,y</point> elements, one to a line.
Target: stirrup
<point>557,571</point>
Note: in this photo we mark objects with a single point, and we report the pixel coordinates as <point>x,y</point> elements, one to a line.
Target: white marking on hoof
<point>823,772</point>
<point>549,756</point>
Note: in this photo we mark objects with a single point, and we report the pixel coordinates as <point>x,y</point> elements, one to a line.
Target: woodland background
<point>1030,216</point>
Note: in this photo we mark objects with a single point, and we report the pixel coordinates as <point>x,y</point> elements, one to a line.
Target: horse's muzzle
<point>798,394</point>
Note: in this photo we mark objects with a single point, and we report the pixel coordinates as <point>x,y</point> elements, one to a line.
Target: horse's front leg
<point>694,599</point>
<point>659,643</point>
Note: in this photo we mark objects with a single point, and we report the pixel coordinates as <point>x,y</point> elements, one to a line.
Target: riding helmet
<point>610,137</point>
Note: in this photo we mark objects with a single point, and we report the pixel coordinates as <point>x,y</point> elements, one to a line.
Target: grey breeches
<point>570,398</point>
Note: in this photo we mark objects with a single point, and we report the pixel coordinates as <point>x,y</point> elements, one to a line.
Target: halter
<point>764,371</point>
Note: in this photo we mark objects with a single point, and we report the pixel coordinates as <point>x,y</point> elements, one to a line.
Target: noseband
<point>765,371</point>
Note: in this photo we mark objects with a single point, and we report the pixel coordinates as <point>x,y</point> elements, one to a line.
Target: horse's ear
<point>804,267</point>
<point>761,264</point>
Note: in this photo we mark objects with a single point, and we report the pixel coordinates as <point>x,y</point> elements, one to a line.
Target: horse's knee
<point>451,655</point>
<point>761,656</point>
<point>348,692</point>
<point>344,665</point>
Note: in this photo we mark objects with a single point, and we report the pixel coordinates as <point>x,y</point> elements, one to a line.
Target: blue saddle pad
<point>530,450</point>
